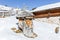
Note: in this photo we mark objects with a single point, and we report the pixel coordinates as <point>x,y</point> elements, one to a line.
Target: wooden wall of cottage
<point>47,13</point>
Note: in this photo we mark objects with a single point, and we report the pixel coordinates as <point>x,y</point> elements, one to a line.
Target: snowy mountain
<point>2,7</point>
<point>6,11</point>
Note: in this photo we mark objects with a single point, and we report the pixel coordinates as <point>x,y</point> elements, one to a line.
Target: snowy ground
<point>45,31</point>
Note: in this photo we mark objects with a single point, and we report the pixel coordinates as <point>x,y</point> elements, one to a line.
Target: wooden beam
<point>47,15</point>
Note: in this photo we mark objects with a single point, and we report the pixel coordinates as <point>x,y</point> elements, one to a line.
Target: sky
<point>27,3</point>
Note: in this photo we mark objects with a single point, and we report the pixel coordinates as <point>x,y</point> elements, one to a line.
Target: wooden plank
<point>47,15</point>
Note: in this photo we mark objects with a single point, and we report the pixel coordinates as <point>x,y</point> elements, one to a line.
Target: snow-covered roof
<point>17,9</point>
<point>49,6</point>
<point>24,13</point>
